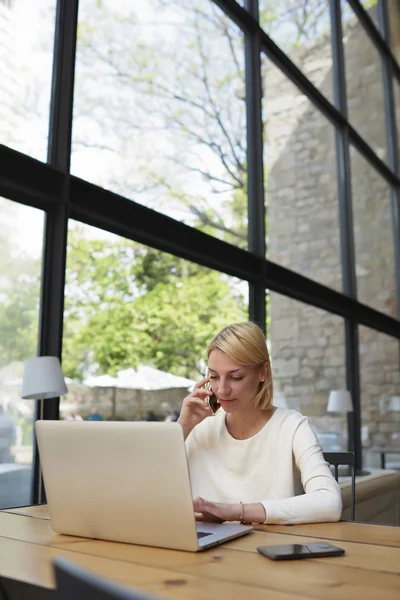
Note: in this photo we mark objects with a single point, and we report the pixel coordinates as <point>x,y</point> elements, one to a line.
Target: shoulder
<point>288,418</point>
<point>207,431</point>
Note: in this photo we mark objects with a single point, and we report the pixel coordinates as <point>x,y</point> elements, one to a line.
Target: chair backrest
<point>75,583</point>
<point>337,459</point>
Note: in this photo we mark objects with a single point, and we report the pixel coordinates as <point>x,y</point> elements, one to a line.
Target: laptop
<point>124,482</point>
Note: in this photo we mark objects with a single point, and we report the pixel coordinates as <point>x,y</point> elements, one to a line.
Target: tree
<point>19,298</point>
<point>127,304</point>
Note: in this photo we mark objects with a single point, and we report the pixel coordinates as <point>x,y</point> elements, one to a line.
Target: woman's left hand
<point>215,512</point>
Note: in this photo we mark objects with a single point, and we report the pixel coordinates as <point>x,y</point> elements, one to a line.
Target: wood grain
<point>381,535</point>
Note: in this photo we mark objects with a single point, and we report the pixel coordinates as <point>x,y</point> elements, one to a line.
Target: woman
<point>252,462</point>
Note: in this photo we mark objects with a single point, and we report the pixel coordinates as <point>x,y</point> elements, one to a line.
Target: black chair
<point>337,459</point>
<point>75,583</point>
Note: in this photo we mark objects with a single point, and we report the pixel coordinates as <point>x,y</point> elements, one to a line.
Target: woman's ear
<point>265,372</point>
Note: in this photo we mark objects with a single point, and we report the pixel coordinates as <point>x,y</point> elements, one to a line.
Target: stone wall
<point>304,235</point>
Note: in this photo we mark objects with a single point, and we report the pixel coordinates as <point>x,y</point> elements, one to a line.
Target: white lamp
<point>340,402</point>
<point>394,403</point>
<point>43,378</point>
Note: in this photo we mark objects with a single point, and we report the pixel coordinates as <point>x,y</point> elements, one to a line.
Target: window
<point>380,402</point>
<point>26,53</point>
<point>159,117</point>
<point>21,234</point>
<point>137,324</point>
<point>364,85</point>
<point>308,362</point>
<point>373,237</point>
<point>300,182</point>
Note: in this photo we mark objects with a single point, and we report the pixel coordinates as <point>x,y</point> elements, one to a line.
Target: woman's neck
<point>243,426</point>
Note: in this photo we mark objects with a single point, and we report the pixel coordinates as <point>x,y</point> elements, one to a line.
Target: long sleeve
<point>322,500</point>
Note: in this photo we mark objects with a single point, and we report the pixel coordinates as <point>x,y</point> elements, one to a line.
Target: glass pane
<point>394,25</point>
<point>373,237</point>
<point>364,85</point>
<point>380,398</point>
<point>26,54</point>
<point>396,90</point>
<point>158,116</point>
<point>302,31</point>
<point>371,7</point>
<point>308,361</point>
<point>164,311</point>
<point>301,189</point>
<point>21,237</point>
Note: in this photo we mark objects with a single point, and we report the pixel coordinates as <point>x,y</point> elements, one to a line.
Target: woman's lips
<point>223,401</point>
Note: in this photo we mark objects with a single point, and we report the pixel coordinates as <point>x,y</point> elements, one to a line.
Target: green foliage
<point>19,304</point>
<point>127,304</point>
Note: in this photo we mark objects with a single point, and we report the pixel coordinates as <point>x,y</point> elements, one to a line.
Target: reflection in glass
<point>302,31</point>
<point>26,47</point>
<point>21,234</point>
<point>137,324</point>
<point>373,237</point>
<point>380,409</point>
<point>300,182</point>
<point>308,361</point>
<point>158,116</point>
<point>364,85</point>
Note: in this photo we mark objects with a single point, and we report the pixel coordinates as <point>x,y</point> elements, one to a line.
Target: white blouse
<point>275,467</point>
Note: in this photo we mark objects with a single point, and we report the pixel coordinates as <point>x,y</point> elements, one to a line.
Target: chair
<point>344,458</point>
<point>75,583</point>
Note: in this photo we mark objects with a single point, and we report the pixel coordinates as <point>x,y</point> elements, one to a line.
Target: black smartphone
<point>294,551</point>
<point>212,401</point>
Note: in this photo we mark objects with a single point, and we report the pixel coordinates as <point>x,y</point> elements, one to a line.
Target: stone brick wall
<point>304,235</point>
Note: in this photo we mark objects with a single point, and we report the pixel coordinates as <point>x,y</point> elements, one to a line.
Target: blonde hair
<point>245,344</point>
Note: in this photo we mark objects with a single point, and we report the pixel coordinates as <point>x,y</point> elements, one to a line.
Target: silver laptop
<point>124,482</point>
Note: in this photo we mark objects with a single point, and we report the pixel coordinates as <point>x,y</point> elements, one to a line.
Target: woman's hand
<point>216,512</point>
<point>195,407</point>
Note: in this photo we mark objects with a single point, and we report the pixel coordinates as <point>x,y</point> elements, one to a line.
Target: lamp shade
<point>340,401</point>
<point>394,403</point>
<point>43,378</point>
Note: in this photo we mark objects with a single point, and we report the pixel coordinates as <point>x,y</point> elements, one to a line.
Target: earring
<point>262,380</point>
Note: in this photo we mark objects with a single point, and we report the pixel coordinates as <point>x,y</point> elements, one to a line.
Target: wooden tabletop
<point>369,569</point>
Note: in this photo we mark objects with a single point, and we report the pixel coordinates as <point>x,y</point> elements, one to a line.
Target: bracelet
<point>242,521</point>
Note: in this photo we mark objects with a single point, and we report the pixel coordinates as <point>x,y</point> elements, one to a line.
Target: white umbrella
<point>148,378</point>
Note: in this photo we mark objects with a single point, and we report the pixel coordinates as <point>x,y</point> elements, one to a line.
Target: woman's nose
<point>223,388</point>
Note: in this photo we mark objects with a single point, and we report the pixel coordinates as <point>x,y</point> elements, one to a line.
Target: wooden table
<point>370,569</point>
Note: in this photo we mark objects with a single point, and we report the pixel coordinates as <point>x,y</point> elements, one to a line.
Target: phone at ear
<point>295,551</point>
<point>212,401</point>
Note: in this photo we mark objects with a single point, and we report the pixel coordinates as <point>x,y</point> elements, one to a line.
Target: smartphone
<point>294,551</point>
<point>212,401</point>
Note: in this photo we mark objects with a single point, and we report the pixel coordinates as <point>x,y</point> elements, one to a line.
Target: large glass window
<point>380,398</point>
<point>308,362</point>
<point>364,85</point>
<point>394,26</point>
<point>137,324</point>
<point>302,31</point>
<point>159,116</point>
<point>300,182</point>
<point>373,237</point>
<point>21,237</point>
<point>26,54</point>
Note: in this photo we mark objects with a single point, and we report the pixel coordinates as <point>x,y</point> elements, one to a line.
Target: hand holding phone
<point>212,401</point>
<point>295,551</point>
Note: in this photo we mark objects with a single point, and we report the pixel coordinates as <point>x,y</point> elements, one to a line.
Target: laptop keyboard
<point>201,534</point>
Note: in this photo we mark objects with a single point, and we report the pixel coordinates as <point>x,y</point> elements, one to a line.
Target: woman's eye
<point>212,377</point>
<point>237,378</point>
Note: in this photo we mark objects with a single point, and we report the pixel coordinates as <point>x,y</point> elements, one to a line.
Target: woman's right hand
<point>195,407</point>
